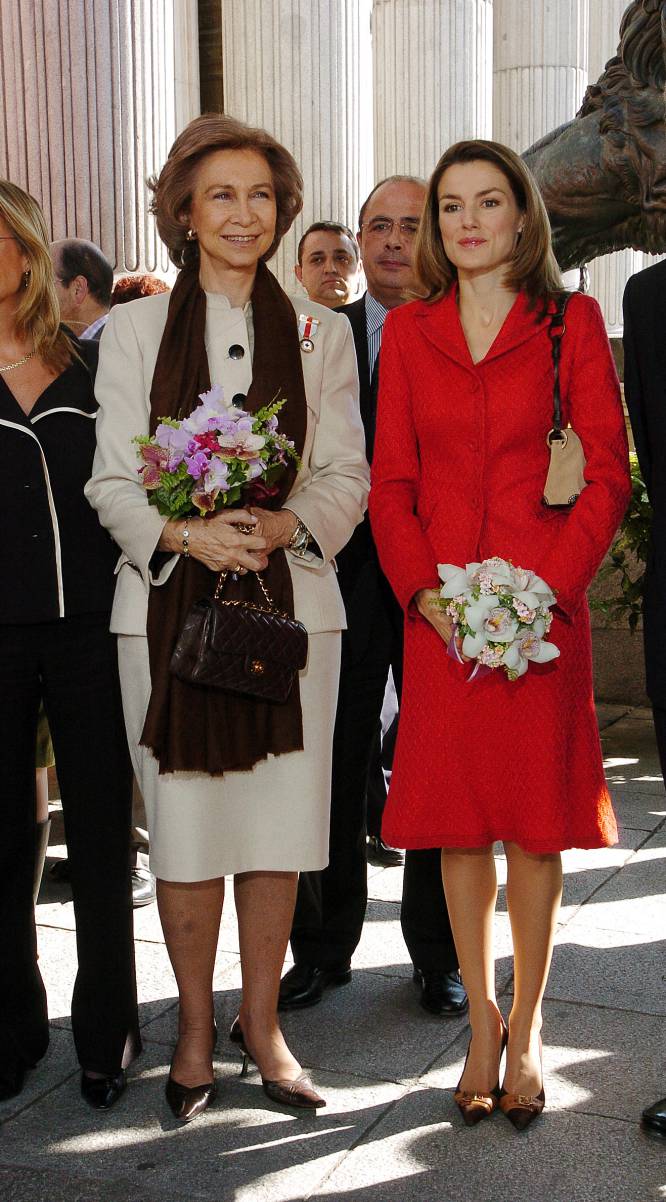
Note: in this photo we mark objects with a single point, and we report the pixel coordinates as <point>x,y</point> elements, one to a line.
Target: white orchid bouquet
<point>501,613</point>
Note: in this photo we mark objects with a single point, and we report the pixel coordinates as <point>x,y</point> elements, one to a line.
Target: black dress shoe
<point>379,852</point>
<point>653,1119</point>
<point>441,992</point>
<point>103,1092</point>
<point>304,984</point>
<point>143,886</point>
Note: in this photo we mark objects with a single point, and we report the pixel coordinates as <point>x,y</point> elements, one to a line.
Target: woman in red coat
<point>460,464</point>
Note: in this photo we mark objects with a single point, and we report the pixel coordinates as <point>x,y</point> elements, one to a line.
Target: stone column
<point>433,80</point>
<point>609,273</point>
<point>95,93</point>
<point>303,71</point>
<point>540,66</point>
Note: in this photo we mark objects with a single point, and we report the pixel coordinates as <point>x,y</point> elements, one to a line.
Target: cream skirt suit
<point>275,816</point>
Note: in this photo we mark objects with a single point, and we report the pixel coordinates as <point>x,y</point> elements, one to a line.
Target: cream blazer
<point>329,493</point>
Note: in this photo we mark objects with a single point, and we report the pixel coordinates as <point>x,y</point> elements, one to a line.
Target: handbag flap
<point>239,630</point>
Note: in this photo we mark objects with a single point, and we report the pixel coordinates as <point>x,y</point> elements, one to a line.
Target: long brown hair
<point>172,189</point>
<point>533,268</point>
<point>38,312</point>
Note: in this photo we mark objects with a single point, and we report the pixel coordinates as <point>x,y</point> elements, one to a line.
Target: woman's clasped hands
<point>229,541</point>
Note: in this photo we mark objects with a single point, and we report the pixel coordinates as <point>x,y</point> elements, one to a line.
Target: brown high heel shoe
<point>188,1101</point>
<point>522,1109</point>
<point>475,1106</point>
<point>299,1093</point>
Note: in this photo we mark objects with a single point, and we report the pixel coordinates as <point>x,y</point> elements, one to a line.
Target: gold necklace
<point>19,362</point>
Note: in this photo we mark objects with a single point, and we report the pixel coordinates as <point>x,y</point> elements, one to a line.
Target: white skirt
<point>274,817</point>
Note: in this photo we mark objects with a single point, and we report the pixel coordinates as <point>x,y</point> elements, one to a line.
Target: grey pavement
<point>390,1131</point>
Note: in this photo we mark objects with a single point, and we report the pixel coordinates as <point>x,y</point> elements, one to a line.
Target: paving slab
<point>23,1184</point>
<point>613,969</point>
<point>421,1152</point>
<point>56,1066</point>
<point>243,1146</point>
<point>607,714</point>
<point>638,811</point>
<point>385,884</point>
<point>633,900</point>
<point>587,871</point>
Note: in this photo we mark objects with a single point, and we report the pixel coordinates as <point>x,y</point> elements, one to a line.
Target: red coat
<point>458,472</point>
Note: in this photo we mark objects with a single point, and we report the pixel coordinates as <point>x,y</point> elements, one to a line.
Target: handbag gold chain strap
<point>260,609</point>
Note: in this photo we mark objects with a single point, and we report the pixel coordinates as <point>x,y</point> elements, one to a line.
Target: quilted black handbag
<point>240,646</point>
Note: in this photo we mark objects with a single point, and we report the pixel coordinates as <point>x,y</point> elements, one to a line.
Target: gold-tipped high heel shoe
<point>299,1093</point>
<point>188,1101</point>
<point>475,1106</point>
<point>522,1109</point>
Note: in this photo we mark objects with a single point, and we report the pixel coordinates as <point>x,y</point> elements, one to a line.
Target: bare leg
<point>41,794</point>
<point>533,893</point>
<point>190,915</point>
<point>265,903</point>
<point>470,885</point>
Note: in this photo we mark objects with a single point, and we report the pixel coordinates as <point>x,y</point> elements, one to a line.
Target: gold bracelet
<point>186,541</point>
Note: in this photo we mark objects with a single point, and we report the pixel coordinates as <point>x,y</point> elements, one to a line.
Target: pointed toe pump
<point>523,1109</point>
<point>188,1101</point>
<point>299,1093</point>
<point>473,1104</point>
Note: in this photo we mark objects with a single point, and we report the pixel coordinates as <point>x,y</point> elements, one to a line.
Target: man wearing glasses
<point>331,905</point>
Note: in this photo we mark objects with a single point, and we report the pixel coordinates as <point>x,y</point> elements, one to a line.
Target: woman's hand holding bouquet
<point>494,613</point>
<point>209,464</point>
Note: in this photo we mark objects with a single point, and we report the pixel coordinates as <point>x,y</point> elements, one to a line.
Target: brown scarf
<point>189,728</point>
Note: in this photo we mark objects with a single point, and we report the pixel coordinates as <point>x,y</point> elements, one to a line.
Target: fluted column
<point>302,69</point>
<point>95,91</point>
<point>540,66</point>
<point>609,273</point>
<point>433,80</point>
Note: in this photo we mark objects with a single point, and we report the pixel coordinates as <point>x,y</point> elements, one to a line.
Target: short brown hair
<point>38,311</point>
<point>330,227</point>
<point>172,189</point>
<point>533,270</point>
<point>134,287</point>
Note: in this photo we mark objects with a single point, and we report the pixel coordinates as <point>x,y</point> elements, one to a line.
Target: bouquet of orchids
<point>217,457</point>
<point>502,613</point>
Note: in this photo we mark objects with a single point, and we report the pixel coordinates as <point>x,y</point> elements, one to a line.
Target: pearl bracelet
<point>186,541</point>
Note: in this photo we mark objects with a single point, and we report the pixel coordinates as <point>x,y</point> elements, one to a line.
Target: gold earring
<point>191,235</point>
<point>26,277</point>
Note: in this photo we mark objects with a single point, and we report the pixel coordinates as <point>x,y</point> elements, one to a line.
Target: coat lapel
<point>440,323</point>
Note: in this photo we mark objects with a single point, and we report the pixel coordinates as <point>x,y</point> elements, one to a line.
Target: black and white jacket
<point>57,560</point>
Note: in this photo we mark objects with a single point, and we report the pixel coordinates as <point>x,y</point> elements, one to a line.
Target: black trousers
<point>72,663</point>
<point>659,716</point>
<point>331,905</point>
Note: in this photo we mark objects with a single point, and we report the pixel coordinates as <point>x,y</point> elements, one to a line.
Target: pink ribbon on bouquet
<point>477,671</point>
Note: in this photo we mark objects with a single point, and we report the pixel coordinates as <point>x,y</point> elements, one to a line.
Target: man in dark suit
<point>84,280</point>
<point>645,394</point>
<point>331,905</point>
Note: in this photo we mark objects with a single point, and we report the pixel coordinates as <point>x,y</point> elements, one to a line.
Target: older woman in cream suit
<point>225,197</point>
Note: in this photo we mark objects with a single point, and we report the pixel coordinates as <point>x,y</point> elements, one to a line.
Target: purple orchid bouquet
<point>219,456</point>
<point>501,613</point>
